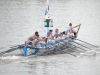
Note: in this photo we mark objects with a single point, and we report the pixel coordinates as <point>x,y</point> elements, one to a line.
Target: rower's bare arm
<point>30,37</point>
<point>76,25</point>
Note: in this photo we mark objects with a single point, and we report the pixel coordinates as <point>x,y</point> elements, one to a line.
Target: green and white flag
<point>48,25</point>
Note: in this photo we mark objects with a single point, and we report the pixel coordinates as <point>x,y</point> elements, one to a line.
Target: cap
<point>48,32</point>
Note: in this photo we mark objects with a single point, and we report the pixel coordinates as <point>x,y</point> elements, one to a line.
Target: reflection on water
<point>21,18</point>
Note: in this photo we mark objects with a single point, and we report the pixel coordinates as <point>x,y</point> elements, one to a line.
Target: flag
<point>47,9</point>
<point>46,12</point>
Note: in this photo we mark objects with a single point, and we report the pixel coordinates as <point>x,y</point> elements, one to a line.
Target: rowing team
<point>52,39</point>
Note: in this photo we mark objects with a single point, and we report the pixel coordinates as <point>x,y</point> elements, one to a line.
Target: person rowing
<point>56,39</point>
<point>50,39</point>
<point>56,32</point>
<point>71,32</point>
<point>51,36</point>
<point>35,42</point>
<point>61,37</point>
<point>39,42</point>
<point>42,42</point>
<point>31,38</point>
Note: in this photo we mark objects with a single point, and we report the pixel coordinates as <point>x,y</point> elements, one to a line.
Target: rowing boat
<point>29,50</point>
<point>63,46</point>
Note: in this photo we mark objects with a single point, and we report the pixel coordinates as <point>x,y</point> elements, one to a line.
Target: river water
<point>21,18</point>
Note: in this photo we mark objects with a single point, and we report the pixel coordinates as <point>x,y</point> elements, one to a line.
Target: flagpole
<point>48,22</point>
<point>47,1</point>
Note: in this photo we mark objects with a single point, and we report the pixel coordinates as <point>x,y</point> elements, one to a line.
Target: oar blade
<point>10,50</point>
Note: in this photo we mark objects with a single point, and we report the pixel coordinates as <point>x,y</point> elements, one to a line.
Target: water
<point>21,18</point>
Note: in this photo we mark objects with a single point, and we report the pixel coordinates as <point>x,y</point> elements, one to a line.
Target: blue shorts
<point>29,42</point>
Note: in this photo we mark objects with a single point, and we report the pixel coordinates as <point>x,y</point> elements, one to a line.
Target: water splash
<point>10,57</point>
<point>91,53</point>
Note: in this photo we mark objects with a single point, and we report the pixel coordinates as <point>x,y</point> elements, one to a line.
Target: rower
<point>35,42</point>
<point>43,42</point>
<point>56,32</point>
<point>71,32</point>
<point>56,39</point>
<point>50,39</point>
<point>31,38</point>
<point>61,37</point>
<point>51,34</point>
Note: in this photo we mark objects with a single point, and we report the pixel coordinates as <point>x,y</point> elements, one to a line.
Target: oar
<point>76,51</point>
<point>19,45</point>
<point>87,43</point>
<point>12,49</point>
<point>78,47</point>
<point>78,29</point>
<point>71,54</point>
<point>72,49</point>
<point>82,45</point>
